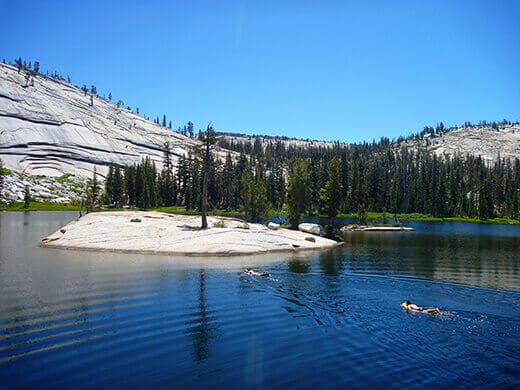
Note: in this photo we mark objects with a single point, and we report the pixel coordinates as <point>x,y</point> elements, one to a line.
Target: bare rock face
<point>48,127</point>
<point>481,141</point>
<point>485,141</point>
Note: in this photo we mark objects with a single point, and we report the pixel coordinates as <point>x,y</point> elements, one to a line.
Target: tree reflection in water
<point>298,265</point>
<point>201,332</point>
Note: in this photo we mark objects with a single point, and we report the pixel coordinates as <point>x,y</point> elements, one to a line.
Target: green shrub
<point>5,171</point>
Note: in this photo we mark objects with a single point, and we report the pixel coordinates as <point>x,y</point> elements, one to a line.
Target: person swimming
<point>249,271</point>
<point>407,305</point>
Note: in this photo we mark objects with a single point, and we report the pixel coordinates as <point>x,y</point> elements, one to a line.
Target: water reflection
<point>201,331</point>
<point>483,260</point>
<point>330,262</point>
<point>324,319</point>
<point>298,265</point>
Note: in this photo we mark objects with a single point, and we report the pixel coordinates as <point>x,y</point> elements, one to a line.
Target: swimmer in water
<point>407,305</point>
<point>249,271</point>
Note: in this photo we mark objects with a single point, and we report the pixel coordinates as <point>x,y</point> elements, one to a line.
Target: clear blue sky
<point>338,70</point>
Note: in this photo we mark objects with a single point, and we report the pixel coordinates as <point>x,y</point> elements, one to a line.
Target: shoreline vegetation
<point>373,217</point>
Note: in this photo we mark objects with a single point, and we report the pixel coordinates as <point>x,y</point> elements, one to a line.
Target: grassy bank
<point>39,206</point>
<point>53,206</point>
<point>182,210</point>
<point>372,216</point>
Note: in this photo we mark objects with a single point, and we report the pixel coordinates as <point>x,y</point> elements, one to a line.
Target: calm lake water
<point>330,319</point>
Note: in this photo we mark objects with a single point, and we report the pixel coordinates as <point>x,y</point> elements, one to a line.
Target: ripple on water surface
<point>331,318</point>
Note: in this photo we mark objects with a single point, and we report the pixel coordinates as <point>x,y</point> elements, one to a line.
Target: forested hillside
<point>376,176</point>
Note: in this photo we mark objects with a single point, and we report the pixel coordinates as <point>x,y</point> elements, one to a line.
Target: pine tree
<point>344,178</point>
<point>117,187</point>
<point>167,186</point>
<point>26,197</point>
<point>140,186</point>
<point>93,189</point>
<point>109,185</point>
<point>254,196</point>
<point>95,186</point>
<point>151,181</point>
<point>93,91</point>
<point>363,215</point>
<point>182,180</point>
<point>204,155</point>
<point>130,185</point>
<point>297,191</point>
<point>331,193</point>
<point>228,184</point>
<point>195,186</point>
<point>19,64</point>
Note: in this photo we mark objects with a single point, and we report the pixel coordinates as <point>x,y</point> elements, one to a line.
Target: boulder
<point>312,228</point>
<point>273,226</point>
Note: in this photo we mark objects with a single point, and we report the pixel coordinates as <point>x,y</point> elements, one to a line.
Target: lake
<point>323,319</point>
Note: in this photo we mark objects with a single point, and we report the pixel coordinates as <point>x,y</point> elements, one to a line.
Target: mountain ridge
<point>52,128</point>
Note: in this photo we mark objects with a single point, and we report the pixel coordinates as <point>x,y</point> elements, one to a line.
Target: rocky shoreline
<point>172,234</point>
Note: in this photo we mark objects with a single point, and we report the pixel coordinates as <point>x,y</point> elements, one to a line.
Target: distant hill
<point>488,141</point>
<point>265,140</point>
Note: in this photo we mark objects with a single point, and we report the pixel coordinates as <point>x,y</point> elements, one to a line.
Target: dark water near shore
<point>327,319</point>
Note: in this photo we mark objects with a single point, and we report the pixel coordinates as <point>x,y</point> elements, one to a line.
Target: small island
<point>173,234</point>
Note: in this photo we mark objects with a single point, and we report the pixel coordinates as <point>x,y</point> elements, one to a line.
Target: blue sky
<point>337,70</point>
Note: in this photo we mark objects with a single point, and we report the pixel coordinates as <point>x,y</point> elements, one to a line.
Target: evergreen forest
<point>261,178</point>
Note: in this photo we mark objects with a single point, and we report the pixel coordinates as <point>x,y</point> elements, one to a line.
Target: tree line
<point>240,185</point>
<point>375,176</point>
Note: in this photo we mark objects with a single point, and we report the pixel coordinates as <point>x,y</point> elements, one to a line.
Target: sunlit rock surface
<point>481,141</point>
<point>50,129</point>
<point>161,233</point>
